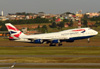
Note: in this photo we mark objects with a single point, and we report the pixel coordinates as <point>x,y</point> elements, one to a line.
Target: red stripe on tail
<point>17,35</point>
<point>9,27</point>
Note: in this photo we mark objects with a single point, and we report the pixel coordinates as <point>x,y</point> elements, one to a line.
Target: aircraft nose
<point>96,32</point>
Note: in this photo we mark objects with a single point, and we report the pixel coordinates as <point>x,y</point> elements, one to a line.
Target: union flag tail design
<point>14,32</point>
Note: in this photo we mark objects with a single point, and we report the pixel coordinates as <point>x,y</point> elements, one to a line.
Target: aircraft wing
<point>48,38</point>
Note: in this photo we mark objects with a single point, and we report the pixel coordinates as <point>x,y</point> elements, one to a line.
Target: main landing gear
<point>88,40</point>
<point>60,44</point>
<point>54,44</point>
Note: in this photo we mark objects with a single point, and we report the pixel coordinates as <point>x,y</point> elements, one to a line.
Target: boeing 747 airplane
<point>52,38</point>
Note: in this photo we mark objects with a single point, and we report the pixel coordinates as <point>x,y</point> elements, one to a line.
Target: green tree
<point>21,13</point>
<point>3,28</point>
<point>97,24</point>
<point>38,27</point>
<point>53,18</point>
<point>65,20</point>
<point>96,18</point>
<point>85,23</point>
<point>44,26</point>
<point>44,29</point>
<point>41,20</point>
<point>85,16</point>
<point>71,23</point>
<point>54,25</point>
<point>61,25</point>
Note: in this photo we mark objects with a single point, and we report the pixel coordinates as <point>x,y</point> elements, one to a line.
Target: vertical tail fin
<point>14,32</point>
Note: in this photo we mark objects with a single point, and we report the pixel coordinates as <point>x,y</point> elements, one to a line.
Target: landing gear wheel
<point>52,44</point>
<point>60,44</point>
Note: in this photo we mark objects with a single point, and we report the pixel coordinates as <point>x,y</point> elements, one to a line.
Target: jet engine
<point>55,41</point>
<point>38,41</point>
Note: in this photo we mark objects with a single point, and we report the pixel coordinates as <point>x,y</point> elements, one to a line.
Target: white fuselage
<point>66,34</point>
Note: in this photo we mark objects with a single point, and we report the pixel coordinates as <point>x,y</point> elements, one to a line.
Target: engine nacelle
<point>55,41</point>
<point>38,41</point>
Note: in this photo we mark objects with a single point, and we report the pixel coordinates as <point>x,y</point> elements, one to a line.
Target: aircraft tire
<point>51,44</point>
<point>60,44</point>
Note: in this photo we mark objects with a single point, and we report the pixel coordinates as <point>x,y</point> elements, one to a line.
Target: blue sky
<point>49,6</point>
